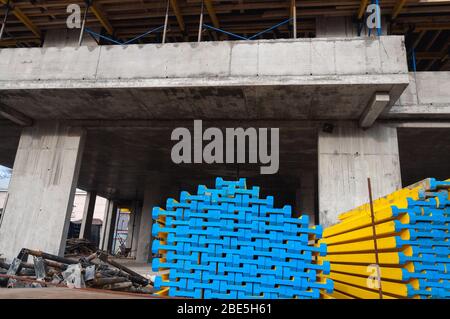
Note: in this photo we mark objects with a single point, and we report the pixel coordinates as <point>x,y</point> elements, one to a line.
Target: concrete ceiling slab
<point>268,102</point>
<point>117,161</point>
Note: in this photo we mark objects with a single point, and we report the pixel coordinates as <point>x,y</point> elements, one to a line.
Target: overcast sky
<point>5,173</point>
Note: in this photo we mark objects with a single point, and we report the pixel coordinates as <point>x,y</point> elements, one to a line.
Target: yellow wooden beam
<point>24,19</point>
<point>395,288</point>
<point>178,14</point>
<point>358,292</point>
<point>98,12</point>
<point>398,7</point>
<point>362,8</point>
<point>212,13</point>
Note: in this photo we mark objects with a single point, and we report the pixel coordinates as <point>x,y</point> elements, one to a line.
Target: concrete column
<point>305,197</point>
<point>347,157</point>
<point>133,226</point>
<point>42,189</point>
<point>88,215</point>
<point>152,198</point>
<point>109,224</point>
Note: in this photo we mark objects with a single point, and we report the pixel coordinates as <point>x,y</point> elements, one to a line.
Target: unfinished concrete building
<point>97,111</point>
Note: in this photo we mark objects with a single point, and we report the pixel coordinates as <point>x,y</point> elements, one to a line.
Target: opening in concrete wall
<point>117,163</point>
<point>424,152</point>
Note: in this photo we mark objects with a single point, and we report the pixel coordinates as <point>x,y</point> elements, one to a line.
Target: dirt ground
<point>65,293</point>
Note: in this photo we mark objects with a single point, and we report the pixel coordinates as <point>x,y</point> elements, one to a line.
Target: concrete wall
<point>347,157</point>
<point>427,96</point>
<point>42,189</point>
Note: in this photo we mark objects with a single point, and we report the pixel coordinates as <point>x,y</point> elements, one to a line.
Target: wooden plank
<point>99,13</point>
<point>398,8</point>
<point>178,15</point>
<point>212,13</point>
<point>24,19</point>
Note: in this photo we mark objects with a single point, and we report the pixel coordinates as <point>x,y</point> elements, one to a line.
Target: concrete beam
<point>242,74</point>
<point>42,189</point>
<point>426,97</point>
<point>376,106</point>
<point>222,63</point>
<point>88,215</point>
<point>15,116</point>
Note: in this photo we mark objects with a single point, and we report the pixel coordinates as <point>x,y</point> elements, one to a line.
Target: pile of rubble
<point>96,270</point>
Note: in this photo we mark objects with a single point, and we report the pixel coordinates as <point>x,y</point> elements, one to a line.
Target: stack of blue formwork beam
<point>229,243</point>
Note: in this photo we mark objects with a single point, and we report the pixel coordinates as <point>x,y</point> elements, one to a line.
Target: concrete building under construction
<point>94,107</point>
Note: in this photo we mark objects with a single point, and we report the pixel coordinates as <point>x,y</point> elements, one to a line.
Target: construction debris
<point>77,247</point>
<point>92,269</point>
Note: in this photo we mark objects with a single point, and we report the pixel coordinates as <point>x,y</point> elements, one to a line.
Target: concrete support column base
<point>109,226</point>
<point>347,157</point>
<point>152,198</point>
<point>42,189</point>
<point>88,215</point>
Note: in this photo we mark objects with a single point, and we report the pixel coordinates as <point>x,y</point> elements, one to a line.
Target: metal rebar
<point>375,243</point>
<point>136,277</point>
<point>83,24</point>
<point>200,27</point>
<point>5,19</point>
<point>49,257</point>
<point>294,16</point>
<point>166,20</point>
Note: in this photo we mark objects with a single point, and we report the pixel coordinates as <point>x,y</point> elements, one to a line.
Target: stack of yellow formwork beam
<point>412,236</point>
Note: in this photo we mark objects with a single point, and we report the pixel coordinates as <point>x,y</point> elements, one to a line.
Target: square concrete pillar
<point>305,197</point>
<point>109,226</point>
<point>88,215</point>
<point>133,227</point>
<point>347,157</point>
<point>152,198</point>
<point>42,189</point>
